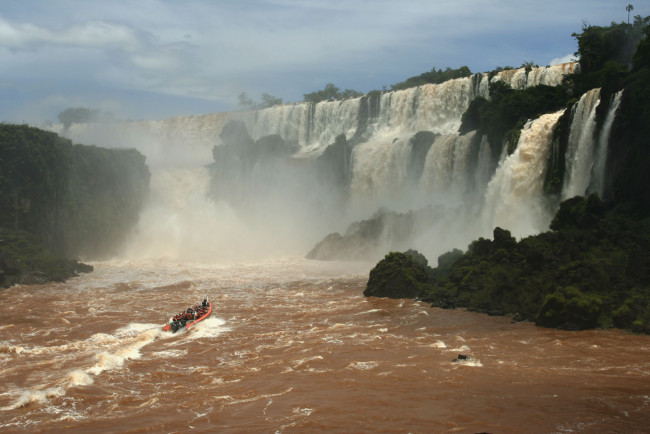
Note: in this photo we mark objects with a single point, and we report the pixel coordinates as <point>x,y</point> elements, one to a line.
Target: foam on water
<point>363,366</point>
<point>125,344</point>
<point>208,328</point>
<point>80,378</point>
<point>462,348</point>
<point>29,397</point>
<point>9,349</point>
<point>128,347</point>
<point>469,362</point>
<point>438,344</point>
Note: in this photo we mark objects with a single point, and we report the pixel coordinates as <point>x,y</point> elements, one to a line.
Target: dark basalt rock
<point>461,357</point>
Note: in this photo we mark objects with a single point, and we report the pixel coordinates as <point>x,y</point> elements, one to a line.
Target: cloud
<point>565,59</point>
<point>212,51</point>
<point>93,34</point>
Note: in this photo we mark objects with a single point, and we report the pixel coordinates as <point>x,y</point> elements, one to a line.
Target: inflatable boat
<point>189,317</point>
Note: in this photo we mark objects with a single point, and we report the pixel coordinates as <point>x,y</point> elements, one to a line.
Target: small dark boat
<point>189,317</point>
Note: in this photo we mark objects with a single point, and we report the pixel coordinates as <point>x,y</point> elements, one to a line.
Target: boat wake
<point>109,352</point>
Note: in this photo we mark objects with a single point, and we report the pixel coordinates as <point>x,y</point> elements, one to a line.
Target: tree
<point>435,76</point>
<point>629,8</point>
<point>269,101</point>
<point>330,93</point>
<point>245,101</point>
<point>77,115</point>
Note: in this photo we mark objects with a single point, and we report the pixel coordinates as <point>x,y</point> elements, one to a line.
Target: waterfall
<point>580,151</point>
<point>287,204</point>
<point>313,127</point>
<point>598,173</point>
<point>514,198</point>
<point>379,171</point>
<point>549,76</point>
<point>430,107</point>
<point>484,167</point>
<point>446,172</point>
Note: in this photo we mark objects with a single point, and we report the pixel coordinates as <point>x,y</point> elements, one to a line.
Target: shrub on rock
<point>398,275</point>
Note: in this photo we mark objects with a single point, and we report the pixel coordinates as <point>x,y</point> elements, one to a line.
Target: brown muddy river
<point>293,346</point>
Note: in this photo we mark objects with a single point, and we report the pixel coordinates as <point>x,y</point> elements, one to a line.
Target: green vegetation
<point>23,260</point>
<point>77,115</point>
<point>606,53</point>
<point>72,199</point>
<point>398,275</point>
<point>504,115</point>
<point>589,271</point>
<point>247,103</point>
<point>330,93</point>
<point>434,76</point>
<point>629,148</point>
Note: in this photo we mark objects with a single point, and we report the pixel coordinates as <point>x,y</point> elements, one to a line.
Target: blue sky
<point>152,59</point>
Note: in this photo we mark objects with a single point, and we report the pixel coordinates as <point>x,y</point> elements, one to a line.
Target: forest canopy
<point>434,76</point>
<point>330,93</point>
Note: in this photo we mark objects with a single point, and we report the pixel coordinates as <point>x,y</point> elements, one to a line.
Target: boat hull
<point>174,326</point>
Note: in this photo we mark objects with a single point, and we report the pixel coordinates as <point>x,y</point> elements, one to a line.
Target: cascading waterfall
<point>431,107</point>
<point>598,172</point>
<point>484,167</point>
<point>514,198</point>
<point>458,174</point>
<point>310,126</point>
<point>379,169</point>
<point>549,76</point>
<point>445,175</point>
<point>580,151</point>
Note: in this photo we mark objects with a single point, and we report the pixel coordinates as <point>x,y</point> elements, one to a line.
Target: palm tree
<point>629,8</point>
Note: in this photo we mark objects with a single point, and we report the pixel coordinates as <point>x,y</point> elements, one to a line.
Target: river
<point>293,346</point>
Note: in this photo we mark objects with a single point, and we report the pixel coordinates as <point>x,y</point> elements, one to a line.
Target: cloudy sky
<point>152,59</point>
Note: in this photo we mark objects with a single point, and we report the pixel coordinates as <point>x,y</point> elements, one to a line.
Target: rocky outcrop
<point>366,239</point>
<point>398,275</point>
<point>24,261</point>
<point>239,156</point>
<point>589,271</point>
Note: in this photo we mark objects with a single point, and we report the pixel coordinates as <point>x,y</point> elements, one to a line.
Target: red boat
<point>189,317</point>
